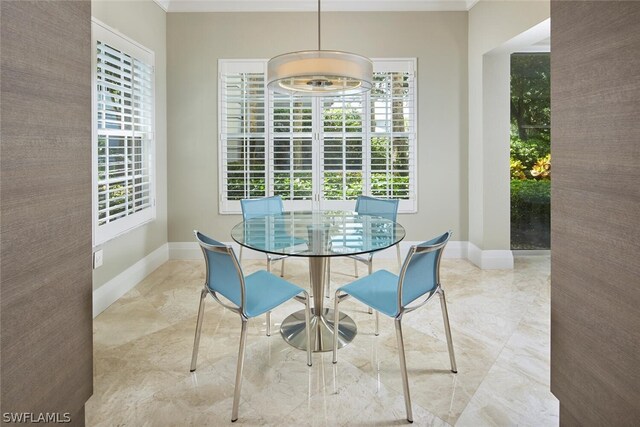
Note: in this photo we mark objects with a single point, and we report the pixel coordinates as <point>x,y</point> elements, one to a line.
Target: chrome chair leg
<point>370,269</point>
<point>268,323</point>
<point>377,331</point>
<point>196,339</point>
<point>447,330</point>
<point>336,319</point>
<point>403,370</point>
<point>307,319</point>
<point>282,268</point>
<point>236,393</point>
<point>268,312</point>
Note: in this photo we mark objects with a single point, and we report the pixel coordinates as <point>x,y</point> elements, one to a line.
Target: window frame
<point>226,206</point>
<point>111,230</point>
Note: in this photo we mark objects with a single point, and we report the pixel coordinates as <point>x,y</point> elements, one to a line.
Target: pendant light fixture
<point>319,72</point>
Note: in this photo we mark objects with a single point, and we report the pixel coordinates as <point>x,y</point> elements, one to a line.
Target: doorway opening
<point>530,151</point>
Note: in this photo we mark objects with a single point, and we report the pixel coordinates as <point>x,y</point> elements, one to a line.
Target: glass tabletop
<point>318,233</point>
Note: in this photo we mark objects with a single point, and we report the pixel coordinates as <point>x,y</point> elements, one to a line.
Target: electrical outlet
<point>97,259</point>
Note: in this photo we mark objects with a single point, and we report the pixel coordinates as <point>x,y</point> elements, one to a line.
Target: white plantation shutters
<point>291,148</point>
<point>392,137</point>
<point>123,134</point>
<point>242,148</point>
<point>317,152</point>
<point>343,156</point>
<point>124,131</point>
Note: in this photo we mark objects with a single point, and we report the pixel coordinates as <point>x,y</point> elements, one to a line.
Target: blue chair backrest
<point>421,270</point>
<point>386,208</point>
<point>253,208</point>
<point>223,271</point>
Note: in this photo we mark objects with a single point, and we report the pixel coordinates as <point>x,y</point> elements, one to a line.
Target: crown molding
<point>311,5</point>
<point>164,4</point>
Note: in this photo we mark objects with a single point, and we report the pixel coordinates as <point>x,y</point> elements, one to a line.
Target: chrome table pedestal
<point>293,327</point>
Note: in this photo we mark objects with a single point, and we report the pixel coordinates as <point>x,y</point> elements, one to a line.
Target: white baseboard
<point>530,252</point>
<point>485,259</point>
<point>191,250</point>
<point>453,250</point>
<point>456,249</point>
<point>108,293</point>
<point>184,250</point>
<point>115,288</point>
<point>490,259</point>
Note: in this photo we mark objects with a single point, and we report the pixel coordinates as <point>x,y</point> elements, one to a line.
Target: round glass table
<point>318,235</point>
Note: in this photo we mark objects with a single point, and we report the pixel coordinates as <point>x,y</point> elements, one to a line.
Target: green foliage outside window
<point>528,152</point>
<point>334,186</point>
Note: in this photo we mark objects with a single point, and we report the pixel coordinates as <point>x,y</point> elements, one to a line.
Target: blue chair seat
<point>265,291</point>
<point>378,290</point>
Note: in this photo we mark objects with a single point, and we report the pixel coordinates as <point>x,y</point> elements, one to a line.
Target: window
<point>123,134</point>
<point>317,152</point>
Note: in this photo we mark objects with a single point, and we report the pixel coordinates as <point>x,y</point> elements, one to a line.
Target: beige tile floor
<point>500,326</point>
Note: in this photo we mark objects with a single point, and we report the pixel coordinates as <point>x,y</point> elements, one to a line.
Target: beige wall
<point>196,41</point>
<point>145,22</point>
<point>493,25</point>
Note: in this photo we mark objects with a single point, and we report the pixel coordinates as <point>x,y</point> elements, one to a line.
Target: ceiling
<point>541,46</point>
<point>311,5</point>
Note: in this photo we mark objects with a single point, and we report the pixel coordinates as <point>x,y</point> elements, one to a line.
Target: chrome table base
<point>293,330</point>
<point>293,327</point>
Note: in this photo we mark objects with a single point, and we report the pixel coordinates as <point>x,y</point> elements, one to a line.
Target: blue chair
<point>395,295</point>
<point>250,296</point>
<point>254,208</point>
<point>366,205</point>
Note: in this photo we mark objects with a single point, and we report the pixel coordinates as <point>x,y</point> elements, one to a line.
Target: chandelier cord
<point>319,25</point>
